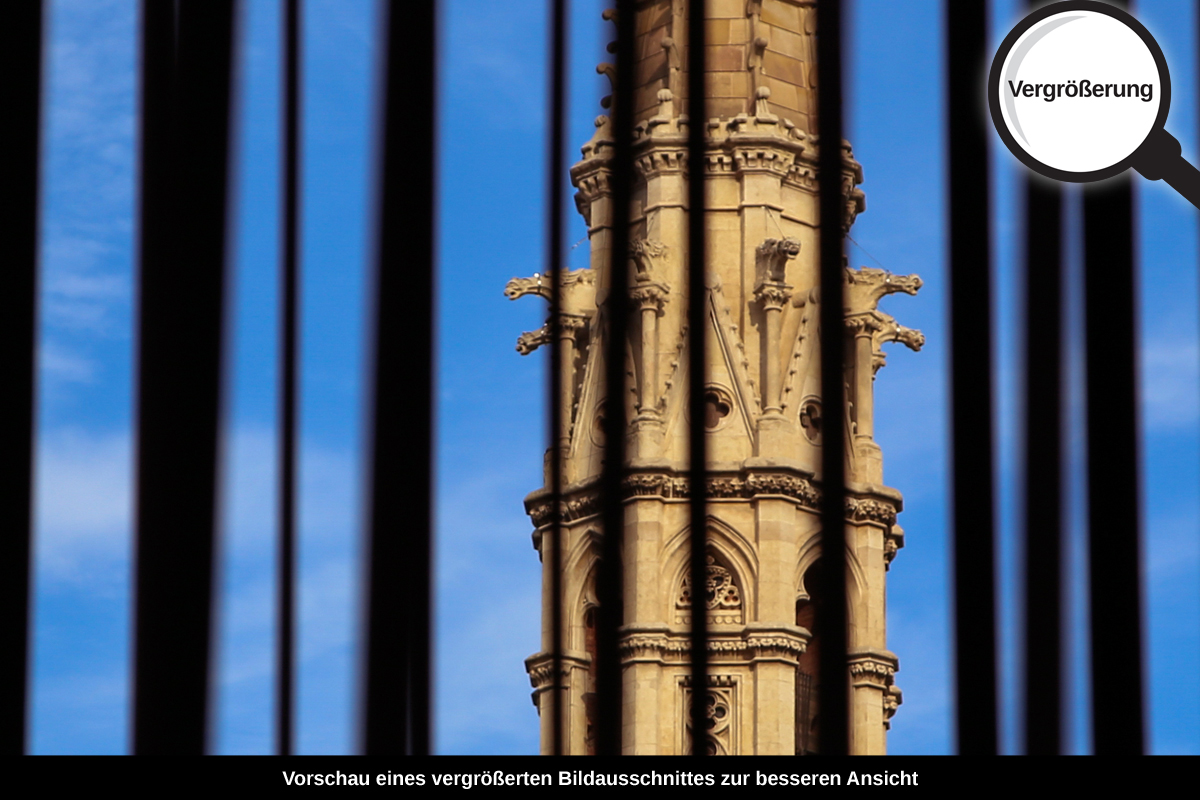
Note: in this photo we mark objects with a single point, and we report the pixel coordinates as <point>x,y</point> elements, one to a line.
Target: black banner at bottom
<point>493,774</point>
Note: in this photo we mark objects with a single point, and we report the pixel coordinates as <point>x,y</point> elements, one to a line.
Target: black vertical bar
<point>289,383</point>
<point>1113,469</point>
<point>397,681</point>
<point>971,380</point>
<point>187,50</point>
<point>559,404</point>
<point>608,582</point>
<point>1113,465</point>
<point>20,97</point>
<point>1043,466</point>
<point>697,369</point>
<point>834,689</point>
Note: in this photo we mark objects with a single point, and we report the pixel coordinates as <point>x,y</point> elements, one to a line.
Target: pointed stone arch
<point>579,571</point>
<point>810,551</point>
<point>731,550</point>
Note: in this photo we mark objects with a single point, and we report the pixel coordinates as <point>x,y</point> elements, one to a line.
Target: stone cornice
<point>873,667</point>
<point>540,667</point>
<point>752,643</point>
<point>741,144</point>
<point>866,503</point>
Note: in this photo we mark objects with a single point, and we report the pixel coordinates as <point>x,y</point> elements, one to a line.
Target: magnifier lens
<point>1080,91</point>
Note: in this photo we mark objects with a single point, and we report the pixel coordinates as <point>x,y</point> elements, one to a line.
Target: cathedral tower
<point>763,406</point>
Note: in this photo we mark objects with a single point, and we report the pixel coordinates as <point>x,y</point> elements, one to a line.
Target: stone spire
<point>763,403</point>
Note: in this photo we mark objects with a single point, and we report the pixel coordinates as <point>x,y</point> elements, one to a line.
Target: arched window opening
<point>589,696</point>
<point>808,666</point>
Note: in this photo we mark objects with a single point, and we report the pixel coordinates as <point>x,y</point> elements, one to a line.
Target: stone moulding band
<point>541,668</point>
<point>586,502</point>
<point>661,649</point>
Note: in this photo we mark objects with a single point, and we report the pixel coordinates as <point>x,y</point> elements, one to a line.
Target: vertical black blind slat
<point>288,382</point>
<point>609,579</point>
<point>1114,543</point>
<point>1043,467</point>
<point>971,380</point>
<point>1113,465</point>
<point>558,399</point>
<point>20,97</point>
<point>397,670</point>
<point>834,730</point>
<point>697,368</point>
<point>187,52</point>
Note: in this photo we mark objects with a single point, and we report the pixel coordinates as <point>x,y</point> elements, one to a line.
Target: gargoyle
<point>891,331</point>
<point>646,256</point>
<point>531,340</point>
<point>578,290</point>
<point>771,259</point>
<point>866,286</point>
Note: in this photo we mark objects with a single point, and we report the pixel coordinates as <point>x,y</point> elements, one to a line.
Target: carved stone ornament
<point>893,540</point>
<point>577,292</point>
<point>718,716</point>
<point>810,419</point>
<point>540,668</point>
<point>891,331</point>
<point>771,257</point>
<point>871,671</point>
<point>531,340</point>
<point>867,510</point>
<point>721,596</point>
<point>650,484</point>
<point>863,323</point>
<point>892,699</point>
<point>855,200</point>
<point>866,286</point>
<point>675,649</point>
<point>569,325</point>
<point>647,256</point>
<point>649,295</point>
<point>772,295</point>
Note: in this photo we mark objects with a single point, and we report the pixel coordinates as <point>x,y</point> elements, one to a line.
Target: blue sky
<point>490,428</point>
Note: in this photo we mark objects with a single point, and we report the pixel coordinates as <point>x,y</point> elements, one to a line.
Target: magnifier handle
<point>1160,158</point>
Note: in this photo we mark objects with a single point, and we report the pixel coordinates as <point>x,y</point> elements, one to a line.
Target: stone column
<point>569,331</point>
<point>869,457</point>
<point>864,401</point>
<point>649,298</point>
<point>768,627</point>
<point>773,293</point>
<point>773,296</point>
<point>871,676</point>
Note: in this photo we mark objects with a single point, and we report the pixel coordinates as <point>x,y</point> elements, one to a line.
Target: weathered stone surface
<point>764,411</point>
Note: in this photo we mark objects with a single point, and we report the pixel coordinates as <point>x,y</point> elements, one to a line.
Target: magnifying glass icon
<point>1079,91</point>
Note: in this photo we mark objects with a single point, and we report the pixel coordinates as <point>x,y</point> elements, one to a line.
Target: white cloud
<point>84,502</point>
<point>1171,547</point>
<point>1170,384</point>
<point>58,363</point>
<point>88,181</point>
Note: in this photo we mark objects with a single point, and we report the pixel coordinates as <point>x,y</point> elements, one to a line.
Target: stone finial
<point>674,65</point>
<point>666,104</point>
<point>762,110</point>
<point>609,71</point>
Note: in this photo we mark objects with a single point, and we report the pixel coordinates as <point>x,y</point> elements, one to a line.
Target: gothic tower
<point>763,404</point>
